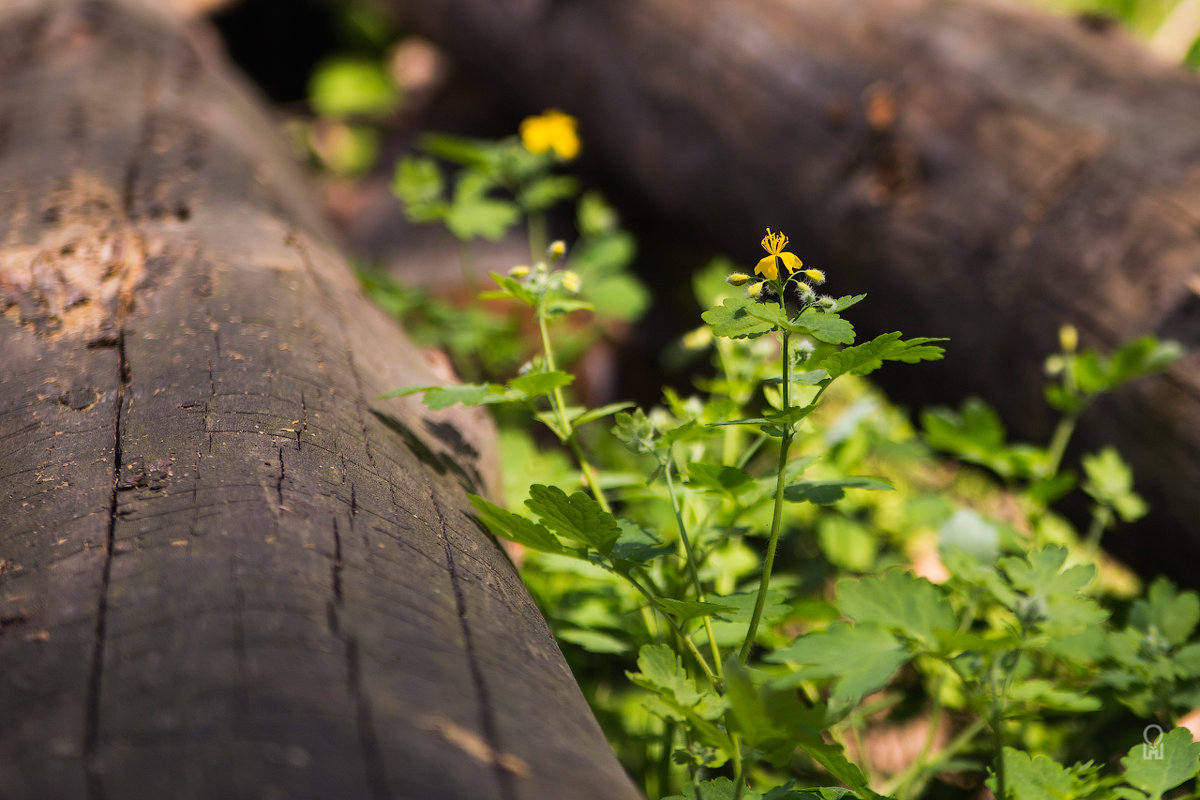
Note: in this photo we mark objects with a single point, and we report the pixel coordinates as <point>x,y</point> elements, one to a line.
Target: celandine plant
<point>657,554</point>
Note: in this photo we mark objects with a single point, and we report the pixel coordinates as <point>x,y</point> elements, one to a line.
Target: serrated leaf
<point>1164,763</point>
<point>1110,483</point>
<point>771,720</point>
<point>660,670</point>
<point>510,288</point>
<point>540,383</point>
<point>719,479</point>
<point>844,302</point>
<point>824,492</point>
<point>684,610</point>
<point>867,357</point>
<point>577,517</point>
<point>417,182</point>
<point>1168,611</point>
<point>831,757</point>
<point>1037,778</point>
<point>516,528</point>
<point>439,397</point>
<point>737,318</point>
<point>898,601</point>
<point>636,546</point>
<point>861,658</point>
<point>823,326</point>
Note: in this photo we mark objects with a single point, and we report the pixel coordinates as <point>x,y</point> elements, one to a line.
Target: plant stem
<point>537,237</point>
<point>690,555</point>
<point>683,637</point>
<point>566,430</point>
<point>777,516</point>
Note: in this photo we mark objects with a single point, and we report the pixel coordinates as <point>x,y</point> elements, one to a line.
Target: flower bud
<point>1068,338</point>
<point>571,281</point>
<point>518,272</point>
<point>556,249</point>
<point>815,275</point>
<point>737,279</point>
<point>755,289</point>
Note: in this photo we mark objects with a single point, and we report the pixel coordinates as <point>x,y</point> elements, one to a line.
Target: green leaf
<point>474,214</point>
<point>593,641</point>
<point>1095,373</point>
<point>418,184</point>
<point>660,671</point>
<point>773,721</point>
<point>1164,763</point>
<point>898,601</point>
<point>831,757</point>
<point>636,546</point>
<point>867,357</point>
<point>683,610</point>
<point>823,326</point>
<point>737,318</point>
<point>475,153</point>
<point>577,517</point>
<point>824,492</point>
<point>719,479</point>
<point>545,192</point>
<point>1110,483</point>
<point>715,789</point>
<point>842,303</point>
<point>516,528</point>
<point>345,86</point>
<point>540,383</point>
<point>861,658</point>
<point>469,394</point>
<point>1168,611</point>
<point>600,413</point>
<point>847,543</point>
<point>1037,778</point>
<point>510,287</point>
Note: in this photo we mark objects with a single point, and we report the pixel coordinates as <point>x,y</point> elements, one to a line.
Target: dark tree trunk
<point>225,570</point>
<point>985,172</point>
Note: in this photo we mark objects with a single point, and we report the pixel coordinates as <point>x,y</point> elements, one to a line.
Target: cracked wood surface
<point>226,571</point>
<point>982,170</point>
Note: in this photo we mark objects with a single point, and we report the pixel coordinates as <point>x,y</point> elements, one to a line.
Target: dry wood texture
<point>983,171</point>
<point>225,570</point>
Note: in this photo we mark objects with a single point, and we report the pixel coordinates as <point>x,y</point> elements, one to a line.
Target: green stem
<point>909,783</point>
<point>566,430</point>
<point>537,237</point>
<point>683,637</point>
<point>690,555</point>
<point>466,257</point>
<point>777,516</point>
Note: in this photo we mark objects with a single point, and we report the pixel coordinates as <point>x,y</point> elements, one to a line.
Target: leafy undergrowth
<point>776,586</point>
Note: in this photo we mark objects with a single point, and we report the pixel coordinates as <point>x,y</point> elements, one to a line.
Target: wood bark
<point>226,571</point>
<point>983,171</point>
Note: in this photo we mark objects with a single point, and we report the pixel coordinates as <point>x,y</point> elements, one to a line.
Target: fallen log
<point>225,570</point>
<point>982,170</point>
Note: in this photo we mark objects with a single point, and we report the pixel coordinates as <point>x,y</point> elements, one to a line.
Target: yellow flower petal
<point>553,130</point>
<point>791,262</point>
<point>767,268</point>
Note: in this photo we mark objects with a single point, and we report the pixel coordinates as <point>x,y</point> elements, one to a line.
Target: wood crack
<point>487,722</point>
<point>91,722</point>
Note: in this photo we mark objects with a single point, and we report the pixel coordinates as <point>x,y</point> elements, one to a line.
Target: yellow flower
<point>553,130</point>
<point>768,267</point>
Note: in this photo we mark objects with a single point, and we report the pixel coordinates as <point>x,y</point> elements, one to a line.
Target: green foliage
<point>734,573</point>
